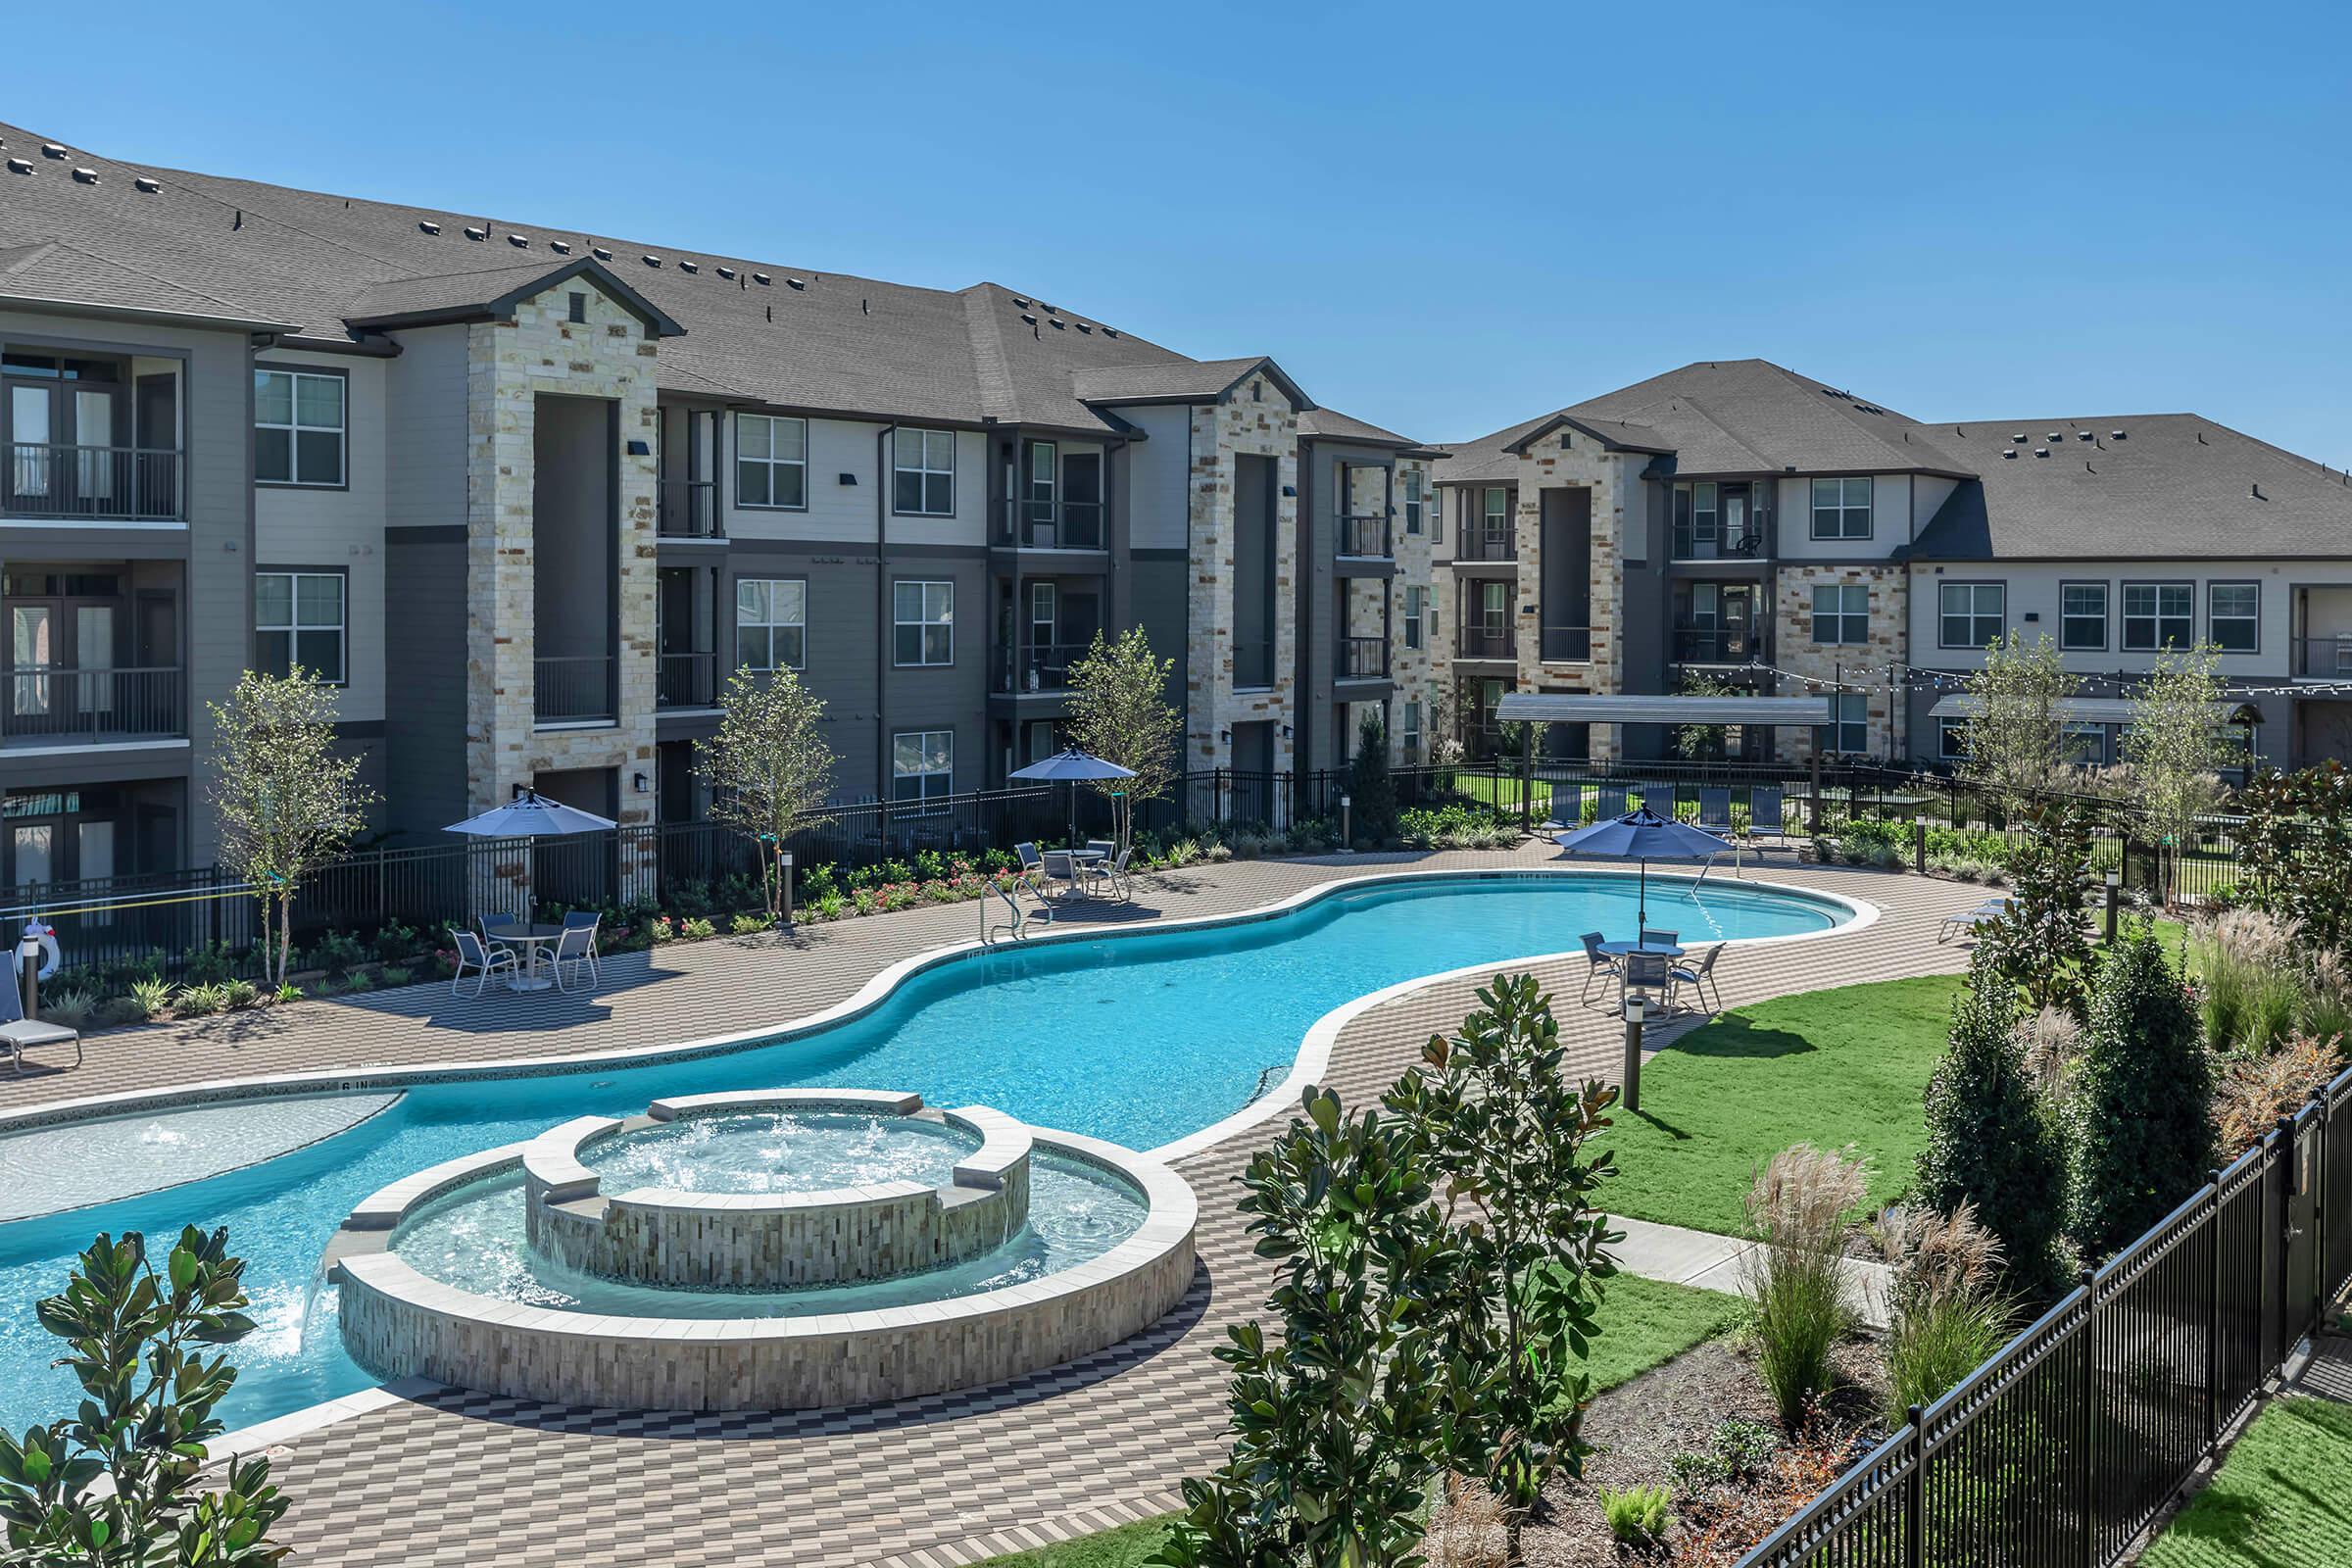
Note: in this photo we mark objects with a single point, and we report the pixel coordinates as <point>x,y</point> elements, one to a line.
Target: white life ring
<point>47,937</point>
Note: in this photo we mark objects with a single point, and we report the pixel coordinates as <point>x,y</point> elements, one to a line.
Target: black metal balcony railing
<point>1482,543</point>
<point>573,690</point>
<point>69,705</point>
<point>1486,642</point>
<point>1039,668</point>
<point>41,479</point>
<point>1745,545</point>
<point>686,680</point>
<point>2324,658</point>
<point>689,508</point>
<point>1365,535</point>
<point>1363,659</point>
<point>1567,644</point>
<point>1053,525</point>
<point>1715,645</point>
<point>1253,663</point>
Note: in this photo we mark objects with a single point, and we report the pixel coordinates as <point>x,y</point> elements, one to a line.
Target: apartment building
<point>1732,525</point>
<point>529,494</point>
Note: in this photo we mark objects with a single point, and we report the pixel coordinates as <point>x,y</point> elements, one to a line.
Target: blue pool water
<point>1140,1038</point>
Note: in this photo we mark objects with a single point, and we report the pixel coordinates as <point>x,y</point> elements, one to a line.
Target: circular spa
<point>777,1249</point>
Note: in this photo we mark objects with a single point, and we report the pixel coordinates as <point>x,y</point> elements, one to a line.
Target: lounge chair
<point>1715,811</point>
<point>1609,802</point>
<point>575,954</point>
<point>1600,966</point>
<point>21,1034</point>
<point>483,957</point>
<point>1766,815</point>
<point>1701,976</point>
<point>1968,920</point>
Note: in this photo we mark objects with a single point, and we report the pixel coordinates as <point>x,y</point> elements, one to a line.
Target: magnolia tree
<point>2015,736</point>
<point>768,768</point>
<point>284,799</point>
<point>1119,712</point>
<point>2173,751</point>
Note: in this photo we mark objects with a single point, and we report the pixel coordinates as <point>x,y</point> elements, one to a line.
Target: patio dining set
<point>507,949</point>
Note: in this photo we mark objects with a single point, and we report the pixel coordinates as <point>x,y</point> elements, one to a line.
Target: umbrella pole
<point>1643,900</point>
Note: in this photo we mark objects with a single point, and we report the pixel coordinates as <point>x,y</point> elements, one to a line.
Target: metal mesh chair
<point>484,958</point>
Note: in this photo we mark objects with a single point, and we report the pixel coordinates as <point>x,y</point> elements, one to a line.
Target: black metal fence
<point>2062,1449</point>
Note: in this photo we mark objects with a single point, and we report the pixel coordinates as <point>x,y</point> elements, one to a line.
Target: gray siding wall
<point>1159,586</point>
<point>1159,476</point>
<point>424,577</point>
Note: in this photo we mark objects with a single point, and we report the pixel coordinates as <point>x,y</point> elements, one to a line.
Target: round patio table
<point>529,938</point>
<point>1618,949</point>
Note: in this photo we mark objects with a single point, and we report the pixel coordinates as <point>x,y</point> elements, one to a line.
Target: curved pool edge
<point>880,985</point>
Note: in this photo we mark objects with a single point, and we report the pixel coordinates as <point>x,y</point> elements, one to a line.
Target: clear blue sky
<point>1438,218</point>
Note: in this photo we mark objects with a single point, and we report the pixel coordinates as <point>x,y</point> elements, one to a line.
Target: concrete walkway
<point>1683,1256</point>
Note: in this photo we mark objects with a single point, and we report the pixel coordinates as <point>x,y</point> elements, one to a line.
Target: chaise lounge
<point>21,1034</point>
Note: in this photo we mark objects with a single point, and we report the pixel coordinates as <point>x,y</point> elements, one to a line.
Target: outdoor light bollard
<point>2115,896</point>
<point>1637,1008</point>
<point>28,966</point>
<point>785,924</point>
<point>1919,844</point>
<point>1347,835</point>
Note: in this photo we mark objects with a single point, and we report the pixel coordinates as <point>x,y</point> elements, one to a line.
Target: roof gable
<point>493,294</point>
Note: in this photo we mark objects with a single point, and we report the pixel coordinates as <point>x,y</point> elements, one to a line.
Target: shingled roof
<point>317,267</point>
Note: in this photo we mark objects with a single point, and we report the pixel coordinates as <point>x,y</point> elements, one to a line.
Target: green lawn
<point>1831,1067</point>
<point>2280,1499</point>
<point>1644,1323</point>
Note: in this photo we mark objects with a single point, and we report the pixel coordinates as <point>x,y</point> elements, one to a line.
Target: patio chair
<point>21,1034</point>
<point>1114,872</point>
<point>1968,920</point>
<point>1701,976</point>
<point>1061,865</point>
<point>590,922</point>
<point>1652,937</point>
<point>573,955</point>
<point>483,957</point>
<point>1601,965</point>
<point>1650,973</point>
<point>494,927</point>
<point>1100,853</point>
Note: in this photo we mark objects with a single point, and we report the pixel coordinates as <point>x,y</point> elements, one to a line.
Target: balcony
<point>685,681</point>
<point>1567,645</point>
<point>1037,668</point>
<point>1486,642</point>
<point>1364,536</point>
<point>1747,544</point>
<point>90,483</point>
<point>1485,544</point>
<point>689,508</point>
<point>1051,525</point>
<point>1716,645</point>
<point>574,690</point>
<point>64,704</point>
<point>1363,658</point>
<point>1252,664</point>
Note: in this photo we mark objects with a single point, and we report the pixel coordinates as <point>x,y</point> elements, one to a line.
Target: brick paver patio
<point>450,1477</point>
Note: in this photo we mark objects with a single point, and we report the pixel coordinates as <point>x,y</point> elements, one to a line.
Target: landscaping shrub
<point>2295,851</point>
<point>68,1006</point>
<point>747,925</point>
<point>2253,1092</point>
<point>336,952</point>
<point>1948,1315</point>
<point>1371,789</point>
<point>1637,1515</point>
<point>1467,1529</point>
<point>697,929</point>
<point>1798,1213</point>
<point>2249,993</point>
<point>240,994</point>
<point>2140,1113</point>
<point>1992,1146</point>
<point>397,975</point>
<point>195,1002</point>
<point>2043,938</point>
<point>1737,1450</point>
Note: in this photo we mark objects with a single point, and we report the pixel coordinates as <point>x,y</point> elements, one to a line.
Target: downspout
<point>882,633</point>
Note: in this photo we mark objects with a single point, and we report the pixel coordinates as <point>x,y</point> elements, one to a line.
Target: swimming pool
<point>1140,1038</point>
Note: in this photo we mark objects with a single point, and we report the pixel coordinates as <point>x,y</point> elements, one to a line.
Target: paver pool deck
<point>438,1476</point>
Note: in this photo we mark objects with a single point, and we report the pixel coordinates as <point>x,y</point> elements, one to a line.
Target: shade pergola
<point>1581,708</point>
<point>2089,709</point>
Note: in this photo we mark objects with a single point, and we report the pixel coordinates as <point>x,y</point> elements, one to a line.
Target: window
<point>1706,518</point>
<point>925,616</point>
<point>2233,617</point>
<point>1494,508</point>
<point>771,623</point>
<point>2159,614</point>
<point>925,472</point>
<point>1951,739</point>
<point>297,428</point>
<point>1410,738</point>
<point>579,307</point>
<point>1851,730</point>
<point>922,769</point>
<point>1840,614</point>
<point>2082,745</point>
<point>1972,613</point>
<point>1413,500</point>
<point>1841,509</point>
<point>771,461</point>
<point>1414,598</point>
<point>2083,615</point>
<point>299,619</point>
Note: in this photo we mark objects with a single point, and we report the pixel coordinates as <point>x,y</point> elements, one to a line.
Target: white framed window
<point>1494,511</point>
<point>922,769</point>
<point>771,461</point>
<point>1409,737</point>
<point>923,478</point>
<point>1951,739</point>
<point>1415,597</point>
<point>1851,730</point>
<point>1971,614</point>
<point>2233,617</point>
<point>2082,616</point>
<point>298,619</point>
<point>924,622</point>
<point>771,623</point>
<point>1841,509</point>
<point>1413,500</point>
<point>2082,745</point>
<point>1840,614</point>
<point>298,427</point>
<point>2159,614</point>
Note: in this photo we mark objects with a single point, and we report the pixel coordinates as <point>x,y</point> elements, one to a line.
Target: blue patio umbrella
<point>1643,835</point>
<point>530,814</point>
<point>1072,766</point>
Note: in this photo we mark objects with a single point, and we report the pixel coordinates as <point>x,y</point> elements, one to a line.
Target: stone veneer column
<point>1864,664</point>
<point>508,364</point>
<point>1417,672</point>
<point>1608,474</point>
<point>1253,418</point>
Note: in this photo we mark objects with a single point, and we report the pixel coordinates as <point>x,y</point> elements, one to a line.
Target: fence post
<point>1814,828</point>
<point>2090,1417</point>
<point>1527,777</point>
<point>1914,1493</point>
<point>2286,1249</point>
<point>2322,1199</point>
<point>2212,1318</point>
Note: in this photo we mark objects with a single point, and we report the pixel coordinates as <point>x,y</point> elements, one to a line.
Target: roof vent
<point>1057,322</point>
<point>653,261</point>
<point>148,183</point>
<point>1028,318</point>
<point>476,234</point>
<point>521,242</point>
<point>1082,326</point>
<point>2256,491</point>
<point>20,166</point>
<point>2056,435</point>
<point>690,267</point>
<point>2041,452</point>
<point>2115,436</point>
<point>562,247</point>
<point>727,273</point>
<point>761,279</point>
<point>429,226</point>
<point>85,177</point>
<point>601,254</point>
<point>1110,331</point>
<point>1022,303</point>
<point>796,282</point>
<point>2009,451</point>
<point>2019,438</point>
<point>50,149</point>
<point>2082,436</point>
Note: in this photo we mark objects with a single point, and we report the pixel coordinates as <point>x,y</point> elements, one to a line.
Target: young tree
<point>1494,1110</point>
<point>2015,737</point>
<point>284,799</point>
<point>2172,752</point>
<point>117,1482</point>
<point>2295,851</point>
<point>1992,1140</point>
<point>1336,1424</point>
<point>767,765</point>
<point>1702,742</point>
<point>2041,944</point>
<point>1371,790</point>
<point>2140,1100</point>
<point>1119,712</point>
